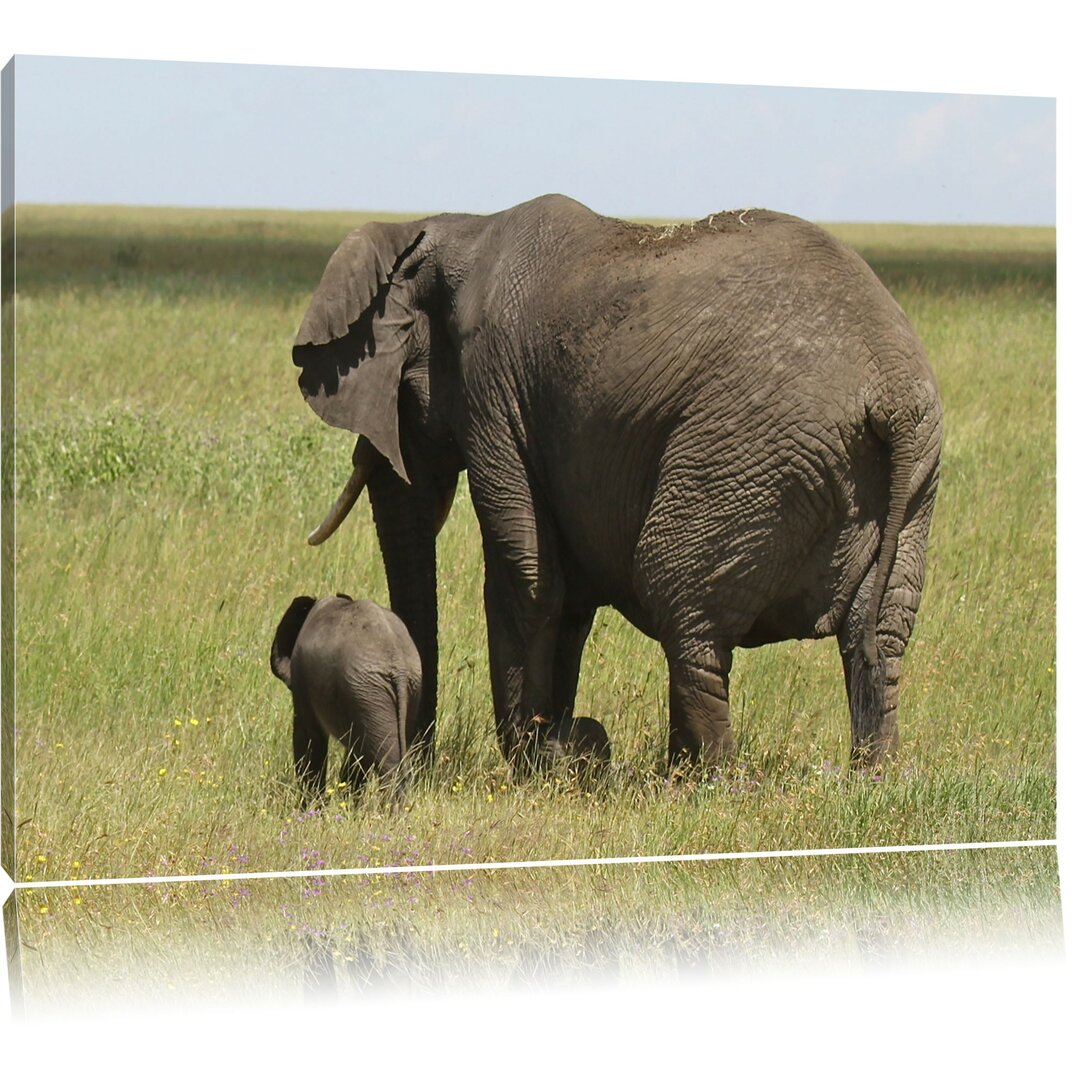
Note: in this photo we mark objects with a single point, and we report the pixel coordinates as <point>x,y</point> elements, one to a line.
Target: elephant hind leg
<point>355,769</point>
<point>700,720</point>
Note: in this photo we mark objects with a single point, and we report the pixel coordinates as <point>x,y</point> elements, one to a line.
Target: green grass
<point>168,472</point>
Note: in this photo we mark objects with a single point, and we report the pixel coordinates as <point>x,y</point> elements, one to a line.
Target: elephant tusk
<point>366,461</point>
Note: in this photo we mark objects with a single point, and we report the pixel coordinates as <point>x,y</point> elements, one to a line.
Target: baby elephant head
<point>287,632</point>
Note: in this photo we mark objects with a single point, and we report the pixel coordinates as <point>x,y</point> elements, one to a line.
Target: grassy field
<point>168,472</point>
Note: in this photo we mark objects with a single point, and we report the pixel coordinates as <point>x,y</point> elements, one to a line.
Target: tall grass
<point>168,472</point>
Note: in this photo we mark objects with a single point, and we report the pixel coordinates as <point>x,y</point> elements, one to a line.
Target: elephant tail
<point>901,467</point>
<point>913,435</point>
<point>403,695</point>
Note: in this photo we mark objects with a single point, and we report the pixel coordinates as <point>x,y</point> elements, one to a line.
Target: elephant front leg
<point>573,632</point>
<point>524,592</point>
<point>700,719</point>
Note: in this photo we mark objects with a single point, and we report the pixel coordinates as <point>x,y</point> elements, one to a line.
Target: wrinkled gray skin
<point>727,430</point>
<point>354,674</point>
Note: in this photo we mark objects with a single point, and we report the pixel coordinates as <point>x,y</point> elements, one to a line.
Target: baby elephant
<point>354,673</point>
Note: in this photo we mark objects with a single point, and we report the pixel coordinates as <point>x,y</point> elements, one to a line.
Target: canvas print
<point>399,475</point>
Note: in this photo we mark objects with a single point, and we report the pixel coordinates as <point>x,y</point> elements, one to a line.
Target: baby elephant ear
<point>353,342</point>
<point>285,639</point>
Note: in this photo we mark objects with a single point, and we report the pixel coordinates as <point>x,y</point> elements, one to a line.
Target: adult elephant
<point>726,430</point>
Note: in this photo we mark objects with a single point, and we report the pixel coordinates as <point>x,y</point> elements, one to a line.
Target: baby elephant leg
<point>310,745</point>
<point>354,770</point>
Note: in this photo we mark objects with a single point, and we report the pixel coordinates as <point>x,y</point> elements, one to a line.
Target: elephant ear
<point>285,638</point>
<point>353,342</point>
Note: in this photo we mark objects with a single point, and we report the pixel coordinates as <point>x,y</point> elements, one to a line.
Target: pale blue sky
<point>205,134</point>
